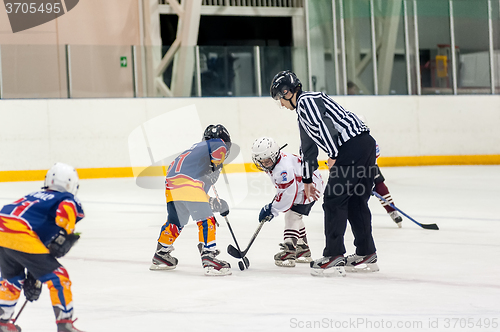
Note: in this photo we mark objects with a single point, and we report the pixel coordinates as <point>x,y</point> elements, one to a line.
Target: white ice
<point>428,280</point>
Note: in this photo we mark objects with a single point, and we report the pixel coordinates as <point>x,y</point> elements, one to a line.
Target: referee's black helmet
<point>283,82</point>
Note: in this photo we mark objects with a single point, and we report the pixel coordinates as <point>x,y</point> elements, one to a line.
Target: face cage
<point>263,168</point>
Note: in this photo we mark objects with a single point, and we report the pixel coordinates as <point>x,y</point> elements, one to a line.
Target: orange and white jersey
<point>287,178</point>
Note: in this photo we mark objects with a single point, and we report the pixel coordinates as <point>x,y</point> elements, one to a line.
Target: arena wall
<point>106,137</point>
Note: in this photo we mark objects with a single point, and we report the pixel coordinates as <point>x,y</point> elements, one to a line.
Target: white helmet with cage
<point>62,177</point>
<point>265,148</point>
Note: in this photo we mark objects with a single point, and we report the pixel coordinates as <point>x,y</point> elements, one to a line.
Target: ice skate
<point>303,253</point>
<point>286,257</point>
<point>66,325</point>
<point>7,326</point>
<point>214,266</point>
<point>396,217</point>
<point>332,266</point>
<point>162,260</point>
<point>356,263</point>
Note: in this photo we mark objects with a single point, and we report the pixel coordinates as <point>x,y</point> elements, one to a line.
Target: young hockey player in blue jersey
<point>285,171</point>
<point>34,231</point>
<point>189,177</point>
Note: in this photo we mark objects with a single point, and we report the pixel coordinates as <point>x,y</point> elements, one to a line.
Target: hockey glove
<point>222,207</point>
<point>32,288</point>
<point>61,243</point>
<point>266,213</point>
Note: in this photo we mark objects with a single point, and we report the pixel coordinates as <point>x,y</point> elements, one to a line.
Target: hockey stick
<point>245,261</point>
<point>20,310</point>
<point>426,226</point>
<point>240,254</point>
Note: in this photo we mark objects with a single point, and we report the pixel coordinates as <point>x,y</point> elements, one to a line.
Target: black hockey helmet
<point>217,131</point>
<point>283,82</point>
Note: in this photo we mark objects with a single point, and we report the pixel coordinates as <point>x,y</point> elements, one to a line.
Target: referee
<point>351,150</point>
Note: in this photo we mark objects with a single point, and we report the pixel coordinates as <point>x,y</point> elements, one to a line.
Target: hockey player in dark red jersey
<point>381,189</point>
<point>34,231</point>
<point>189,178</point>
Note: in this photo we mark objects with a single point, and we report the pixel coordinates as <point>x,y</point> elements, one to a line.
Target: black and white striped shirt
<point>325,124</point>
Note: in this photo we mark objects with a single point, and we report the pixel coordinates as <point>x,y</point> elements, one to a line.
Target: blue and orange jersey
<point>29,223</point>
<point>191,174</point>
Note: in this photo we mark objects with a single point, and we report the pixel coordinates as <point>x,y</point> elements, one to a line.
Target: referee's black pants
<point>346,197</point>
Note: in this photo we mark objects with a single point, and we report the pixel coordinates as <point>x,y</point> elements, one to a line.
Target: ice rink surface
<point>446,280</point>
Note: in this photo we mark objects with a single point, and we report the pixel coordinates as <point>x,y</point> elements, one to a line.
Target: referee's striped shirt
<point>325,124</point>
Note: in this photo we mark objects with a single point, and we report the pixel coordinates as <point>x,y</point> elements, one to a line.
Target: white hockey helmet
<point>62,177</point>
<point>265,148</point>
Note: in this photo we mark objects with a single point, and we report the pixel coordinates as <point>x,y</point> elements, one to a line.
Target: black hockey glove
<point>32,288</point>
<point>61,243</point>
<point>222,207</point>
<point>265,213</point>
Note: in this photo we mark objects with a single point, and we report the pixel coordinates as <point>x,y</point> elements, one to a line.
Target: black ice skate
<point>214,266</point>
<point>396,218</point>
<point>287,256</point>
<point>162,260</point>
<point>356,263</point>
<point>7,326</point>
<point>303,253</point>
<point>332,266</point>
<point>66,325</point>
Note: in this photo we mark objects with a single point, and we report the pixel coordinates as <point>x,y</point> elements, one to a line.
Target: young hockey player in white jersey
<point>285,171</point>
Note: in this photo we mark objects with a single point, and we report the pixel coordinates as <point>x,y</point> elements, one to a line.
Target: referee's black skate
<point>7,326</point>
<point>357,263</point>
<point>332,266</point>
<point>287,256</point>
<point>162,260</point>
<point>214,266</point>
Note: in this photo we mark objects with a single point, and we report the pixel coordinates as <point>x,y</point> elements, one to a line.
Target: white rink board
<point>94,133</point>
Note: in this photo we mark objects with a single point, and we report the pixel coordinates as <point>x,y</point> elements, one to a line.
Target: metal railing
<point>249,3</point>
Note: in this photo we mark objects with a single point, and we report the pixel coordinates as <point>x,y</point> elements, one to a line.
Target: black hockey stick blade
<point>425,226</point>
<point>430,226</point>
<point>231,250</point>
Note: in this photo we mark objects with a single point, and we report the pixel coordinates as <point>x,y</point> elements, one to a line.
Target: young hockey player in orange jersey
<point>188,180</point>
<point>34,231</point>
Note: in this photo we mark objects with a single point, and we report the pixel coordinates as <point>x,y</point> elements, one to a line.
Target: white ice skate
<point>396,218</point>
<point>213,266</point>
<point>286,257</point>
<point>162,260</point>
<point>332,266</point>
<point>356,263</point>
<point>303,254</point>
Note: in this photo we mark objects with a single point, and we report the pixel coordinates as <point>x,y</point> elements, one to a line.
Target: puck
<point>241,265</point>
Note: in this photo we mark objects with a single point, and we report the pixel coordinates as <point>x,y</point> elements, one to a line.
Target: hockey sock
<point>206,232</point>
<point>169,233</point>
<point>383,191</point>
<point>9,294</point>
<point>60,292</point>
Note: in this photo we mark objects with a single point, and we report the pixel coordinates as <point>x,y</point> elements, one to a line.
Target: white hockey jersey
<point>287,178</point>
